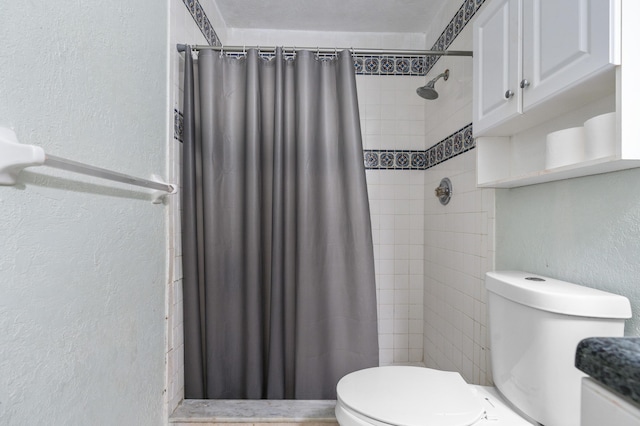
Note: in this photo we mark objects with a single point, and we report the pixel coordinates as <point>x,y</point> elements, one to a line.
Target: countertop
<point>612,361</point>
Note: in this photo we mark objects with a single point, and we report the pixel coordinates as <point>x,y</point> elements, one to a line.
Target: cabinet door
<point>564,43</point>
<point>496,64</point>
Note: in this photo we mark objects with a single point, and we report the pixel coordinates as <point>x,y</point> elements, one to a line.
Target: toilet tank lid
<point>552,295</point>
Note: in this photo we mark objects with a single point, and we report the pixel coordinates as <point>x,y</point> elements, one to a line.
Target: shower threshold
<point>226,412</point>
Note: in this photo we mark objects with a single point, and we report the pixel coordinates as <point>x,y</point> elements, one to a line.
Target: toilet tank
<point>535,324</point>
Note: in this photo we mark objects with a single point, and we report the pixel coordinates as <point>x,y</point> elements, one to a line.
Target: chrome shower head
<point>428,91</point>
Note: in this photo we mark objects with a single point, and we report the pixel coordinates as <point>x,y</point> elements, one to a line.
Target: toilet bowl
<point>535,324</point>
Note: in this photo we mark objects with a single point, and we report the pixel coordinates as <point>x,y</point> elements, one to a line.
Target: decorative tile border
<point>201,19</point>
<point>371,65</point>
<point>451,146</point>
<point>390,65</point>
<point>368,64</point>
<point>381,159</point>
<point>451,31</point>
<point>178,125</point>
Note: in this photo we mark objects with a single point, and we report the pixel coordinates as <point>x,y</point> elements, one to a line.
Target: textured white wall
<point>584,230</point>
<point>82,261</point>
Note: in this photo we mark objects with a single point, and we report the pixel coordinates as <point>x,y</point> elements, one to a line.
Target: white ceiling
<point>387,16</point>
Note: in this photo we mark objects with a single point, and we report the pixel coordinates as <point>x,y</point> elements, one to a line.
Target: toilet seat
<point>408,396</point>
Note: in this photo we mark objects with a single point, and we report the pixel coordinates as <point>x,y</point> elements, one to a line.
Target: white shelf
<point>519,159</point>
<point>586,168</point>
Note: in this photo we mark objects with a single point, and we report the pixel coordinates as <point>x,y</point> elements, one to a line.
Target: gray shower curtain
<point>279,290</point>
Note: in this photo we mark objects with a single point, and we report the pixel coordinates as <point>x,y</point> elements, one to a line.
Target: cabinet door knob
<point>524,83</point>
<point>508,94</point>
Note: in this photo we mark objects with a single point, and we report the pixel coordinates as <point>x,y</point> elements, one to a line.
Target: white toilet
<point>535,325</point>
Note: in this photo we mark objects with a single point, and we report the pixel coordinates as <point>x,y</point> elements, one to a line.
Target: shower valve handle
<point>442,191</point>
<point>508,94</point>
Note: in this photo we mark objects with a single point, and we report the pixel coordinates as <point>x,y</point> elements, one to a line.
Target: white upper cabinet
<point>555,89</point>
<point>564,42</point>
<point>496,64</point>
<point>529,52</point>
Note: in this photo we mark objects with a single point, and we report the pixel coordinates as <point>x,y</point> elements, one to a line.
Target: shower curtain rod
<point>329,50</point>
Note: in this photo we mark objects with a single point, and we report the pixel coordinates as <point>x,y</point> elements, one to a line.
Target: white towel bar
<point>14,157</point>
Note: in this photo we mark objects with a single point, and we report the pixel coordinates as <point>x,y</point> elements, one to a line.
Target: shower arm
<point>444,74</point>
<point>331,50</point>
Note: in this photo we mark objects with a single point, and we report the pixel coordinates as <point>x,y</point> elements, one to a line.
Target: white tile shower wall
<point>397,205</point>
<point>458,252</point>
<point>458,237</point>
<point>453,108</point>
<point>391,114</point>
<point>392,117</point>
